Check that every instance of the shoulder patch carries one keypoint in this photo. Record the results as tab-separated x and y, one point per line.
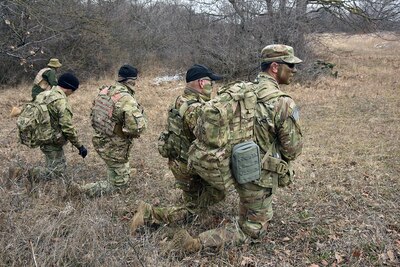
296	114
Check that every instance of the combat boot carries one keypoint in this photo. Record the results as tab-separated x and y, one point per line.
143	212
15	112
184	242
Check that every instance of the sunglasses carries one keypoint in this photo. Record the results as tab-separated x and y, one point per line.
290	65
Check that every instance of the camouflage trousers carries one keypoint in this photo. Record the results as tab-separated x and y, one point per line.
255	211
255	208
115	152
118	175
55	163
197	193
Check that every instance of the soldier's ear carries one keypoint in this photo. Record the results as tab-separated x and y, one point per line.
201	83
274	67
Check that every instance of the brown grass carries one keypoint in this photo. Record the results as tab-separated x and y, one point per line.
343	209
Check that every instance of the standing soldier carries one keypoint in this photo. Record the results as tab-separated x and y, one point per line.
116	118
278	135
46	78
174	145
61	123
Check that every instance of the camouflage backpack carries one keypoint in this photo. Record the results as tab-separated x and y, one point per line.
224	121
102	111
34	126
224	148
173	143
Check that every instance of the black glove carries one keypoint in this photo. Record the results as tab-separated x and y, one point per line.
82	151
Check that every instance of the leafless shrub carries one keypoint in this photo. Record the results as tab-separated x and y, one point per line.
94	37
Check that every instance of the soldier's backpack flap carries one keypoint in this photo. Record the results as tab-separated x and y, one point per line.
212	126
246	162
34	126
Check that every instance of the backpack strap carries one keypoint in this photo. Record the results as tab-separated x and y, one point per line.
185	106
269	162
266	95
274	164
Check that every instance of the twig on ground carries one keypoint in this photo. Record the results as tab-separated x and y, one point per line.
33	253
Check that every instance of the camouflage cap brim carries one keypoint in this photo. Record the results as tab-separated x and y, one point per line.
292	59
287	59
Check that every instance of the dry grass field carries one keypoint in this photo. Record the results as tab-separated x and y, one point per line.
343	209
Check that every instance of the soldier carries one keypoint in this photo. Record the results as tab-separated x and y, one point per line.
182	118
46	78
278	135
117	119
61	122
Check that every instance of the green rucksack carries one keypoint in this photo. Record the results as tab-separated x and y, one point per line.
173	143
224	150
34	125
224	122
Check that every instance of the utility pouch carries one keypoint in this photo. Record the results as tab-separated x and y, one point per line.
246	162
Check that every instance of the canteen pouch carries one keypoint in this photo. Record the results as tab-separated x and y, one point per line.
246	162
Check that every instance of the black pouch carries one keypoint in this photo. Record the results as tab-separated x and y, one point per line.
246	162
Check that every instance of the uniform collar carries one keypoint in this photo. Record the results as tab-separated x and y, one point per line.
126	88
61	91
192	92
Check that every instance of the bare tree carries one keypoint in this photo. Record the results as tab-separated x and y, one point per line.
92	37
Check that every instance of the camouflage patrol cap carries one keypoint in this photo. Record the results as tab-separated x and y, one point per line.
279	52
54	63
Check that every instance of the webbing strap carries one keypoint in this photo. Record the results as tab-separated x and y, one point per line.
275	165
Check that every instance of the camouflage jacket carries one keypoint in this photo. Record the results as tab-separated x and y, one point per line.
192	113
60	115
276	122
128	114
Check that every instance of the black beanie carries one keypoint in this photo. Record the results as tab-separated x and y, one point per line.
68	81
127	72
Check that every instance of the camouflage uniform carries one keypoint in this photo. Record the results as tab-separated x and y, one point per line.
276	119
197	193
278	135
61	122
115	149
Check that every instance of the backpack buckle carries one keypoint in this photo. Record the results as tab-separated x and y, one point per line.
282	168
